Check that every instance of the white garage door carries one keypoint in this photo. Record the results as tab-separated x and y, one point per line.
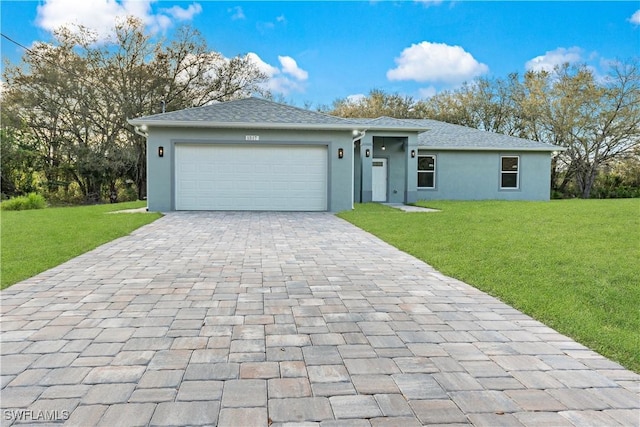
251	177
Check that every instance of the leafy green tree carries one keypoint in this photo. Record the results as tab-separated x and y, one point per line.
597	119
19	164
74	97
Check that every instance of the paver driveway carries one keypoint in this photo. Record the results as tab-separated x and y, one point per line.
270	318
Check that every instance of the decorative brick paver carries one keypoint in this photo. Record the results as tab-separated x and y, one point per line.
280	388
186	413
374	384
355	407
300	409
200	390
431	412
131	414
271	319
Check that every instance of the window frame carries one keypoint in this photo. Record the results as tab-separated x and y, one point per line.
510	172
418	171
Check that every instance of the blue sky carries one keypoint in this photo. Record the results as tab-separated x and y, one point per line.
315	52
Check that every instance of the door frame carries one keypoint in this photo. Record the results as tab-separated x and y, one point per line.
386	178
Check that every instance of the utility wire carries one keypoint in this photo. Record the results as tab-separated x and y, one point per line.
16	43
32	52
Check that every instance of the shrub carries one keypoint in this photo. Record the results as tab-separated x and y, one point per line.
614	186
21	203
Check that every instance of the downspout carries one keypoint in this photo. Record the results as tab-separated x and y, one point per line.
357	136
141	130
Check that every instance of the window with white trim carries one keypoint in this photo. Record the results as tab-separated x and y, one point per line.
509	172
426	171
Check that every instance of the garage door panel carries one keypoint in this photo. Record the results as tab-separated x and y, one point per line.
225	177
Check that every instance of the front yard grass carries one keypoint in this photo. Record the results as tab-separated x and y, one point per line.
33	241
572	264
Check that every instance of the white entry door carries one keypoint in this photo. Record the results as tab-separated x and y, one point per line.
379	180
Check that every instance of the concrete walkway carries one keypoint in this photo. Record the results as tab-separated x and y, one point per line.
257	319
409	208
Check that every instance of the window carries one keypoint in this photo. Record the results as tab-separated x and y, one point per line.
509	172
426	171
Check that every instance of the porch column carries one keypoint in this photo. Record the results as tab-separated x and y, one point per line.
411	184
366	143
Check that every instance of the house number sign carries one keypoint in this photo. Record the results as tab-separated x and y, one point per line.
252	138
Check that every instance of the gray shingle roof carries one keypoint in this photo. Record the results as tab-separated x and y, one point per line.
261	113
447	136
246	112
392	123
257	113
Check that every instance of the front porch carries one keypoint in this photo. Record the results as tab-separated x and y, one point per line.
385	168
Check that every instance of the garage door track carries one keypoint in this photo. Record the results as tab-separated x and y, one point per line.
259	319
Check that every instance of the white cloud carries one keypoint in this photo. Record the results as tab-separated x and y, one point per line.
290	66
237	11
268	26
436	62
427	92
184	14
267	69
553	58
285	79
635	18
356	98
101	15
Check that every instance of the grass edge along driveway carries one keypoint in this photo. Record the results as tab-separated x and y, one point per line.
36	240
571	264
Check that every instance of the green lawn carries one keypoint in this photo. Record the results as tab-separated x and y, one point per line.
572	264
35	240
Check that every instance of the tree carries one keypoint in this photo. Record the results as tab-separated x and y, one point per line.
32	108
596	119
486	104
18	164
376	104
74	96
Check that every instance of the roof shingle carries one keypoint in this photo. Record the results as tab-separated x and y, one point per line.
448	136
245	111
261	113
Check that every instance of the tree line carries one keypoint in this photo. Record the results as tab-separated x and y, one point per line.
595	118
65	107
64	132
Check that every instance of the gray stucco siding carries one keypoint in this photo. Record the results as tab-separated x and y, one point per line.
161	170
475	175
261	155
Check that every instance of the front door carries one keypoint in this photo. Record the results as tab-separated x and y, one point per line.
379	180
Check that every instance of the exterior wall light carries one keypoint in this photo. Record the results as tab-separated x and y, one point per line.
161	151
413	154
340	153
367	152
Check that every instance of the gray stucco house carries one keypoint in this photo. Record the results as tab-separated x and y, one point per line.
254	154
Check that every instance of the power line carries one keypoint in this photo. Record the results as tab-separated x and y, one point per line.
71	72
32	52
16	43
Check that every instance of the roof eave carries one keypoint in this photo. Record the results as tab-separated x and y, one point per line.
243	125
528	149
269	125
394	129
